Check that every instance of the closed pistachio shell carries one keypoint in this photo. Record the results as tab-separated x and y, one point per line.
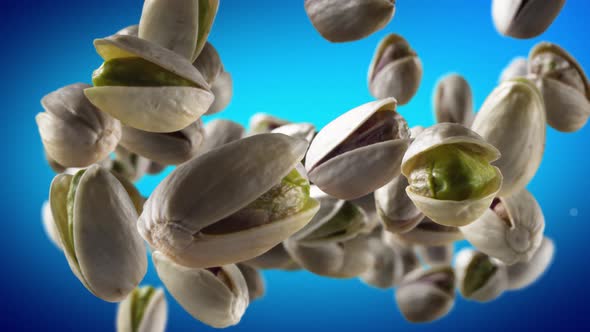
512	119
472	201
479	277
144	310
359	151
223	90
395	209
254	281
429	233
264	123
524	274
518	67
219	132
209	64
49	225
131	30
367	204
436	255
190	217
453	101
524	19
426	295
216	296
74	132
95	219
387	268
395	71
304	131
511	230
349	20
276	258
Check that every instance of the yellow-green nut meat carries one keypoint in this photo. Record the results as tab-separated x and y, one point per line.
479	277
144	310
524	19
453	101
191	218
349	20
512	118
216	296
563	84
395	209
254	281
360	151
146	86
524	274
74	132
96	222
451	179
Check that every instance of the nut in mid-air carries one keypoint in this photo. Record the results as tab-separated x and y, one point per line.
453	101
524	274
144	310
524	19
395	209
480	277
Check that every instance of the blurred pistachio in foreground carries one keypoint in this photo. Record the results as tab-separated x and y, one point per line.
144	310
261	123
219	132
524	274
74	132
191	218
479	277
349	20
428	233
395	209
426	295
518	67
359	151
254	281
49	225
524	19
395	71
216	296
387	266
276	258
95	220
436	255
453	101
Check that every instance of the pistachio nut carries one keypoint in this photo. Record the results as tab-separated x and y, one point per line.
524	19
144	310
129	165
426	295
217	296
219	132
510	230
563	84
436	255
264	123
524	274
146	86
49	225
480	277
223	90
395	209
387	266
132	30
74	132
450	176
155	168
429	233
360	151
254	281
191	218
367	204
518	67
276	258
453	101
349	20
395	71
54	165
95	220
512	119
209	64
304	131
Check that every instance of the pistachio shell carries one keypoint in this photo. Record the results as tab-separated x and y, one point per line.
395	209
518	67
453	101
436	255
524	19
219	132
153	318
254	281
304	131
223	91
512	235
217	297
488	281
387	267
524	274
264	123
276	258
209	64
129	165
207	12
567	109
429	233
131	30
49	225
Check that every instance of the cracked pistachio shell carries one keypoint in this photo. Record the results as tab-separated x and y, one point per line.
254	281
512	118
451	212
518	67
165	148
129	165
524	274
453	101
349	20
95	219
74	132
524	19
191	218
159	108
429	233
209	63
426	295
219	132
395	71
436	255
480	277
261	123
387	266
276	258
306	131
144	310
131	30
49	225
395	209
511	230
563	84
360	151
217	296
223	90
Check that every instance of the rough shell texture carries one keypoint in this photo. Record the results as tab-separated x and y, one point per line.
524	274
429	233
387	268
524	18
155	314
395	209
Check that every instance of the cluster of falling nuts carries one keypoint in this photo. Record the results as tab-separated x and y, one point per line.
365	197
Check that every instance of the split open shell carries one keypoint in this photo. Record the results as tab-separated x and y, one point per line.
479	277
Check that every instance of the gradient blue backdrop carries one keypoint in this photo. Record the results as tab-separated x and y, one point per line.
281	65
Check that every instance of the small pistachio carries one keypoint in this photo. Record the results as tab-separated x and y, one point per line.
395	209
479	277
144	310
254	281
518	67
49	225
524	274
209	63
219	132
524	19
436	255
453	101
261	123
387	266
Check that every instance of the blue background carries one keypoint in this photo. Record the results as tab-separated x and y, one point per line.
281	65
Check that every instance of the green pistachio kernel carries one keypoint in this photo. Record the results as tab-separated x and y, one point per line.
139	301
478	272
452	172
135	72
70	207
348	220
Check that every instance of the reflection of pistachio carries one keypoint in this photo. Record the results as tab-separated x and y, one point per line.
523	274
395	209
480	277
429	233
144	310
254	281
436	255
524	18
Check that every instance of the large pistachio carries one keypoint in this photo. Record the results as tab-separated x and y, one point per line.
395	71
146	86
223	90
349	20
512	119
480	277
144	310
426	295
73	131
254	281
276	258
209	63
436	255
359	151
304	131
429	233
563	84
453	101
191	218
524	274
395	209
219	132
524	19
387	266
49	225
511	230
450	176
264	123
518	67
217	296
95	219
